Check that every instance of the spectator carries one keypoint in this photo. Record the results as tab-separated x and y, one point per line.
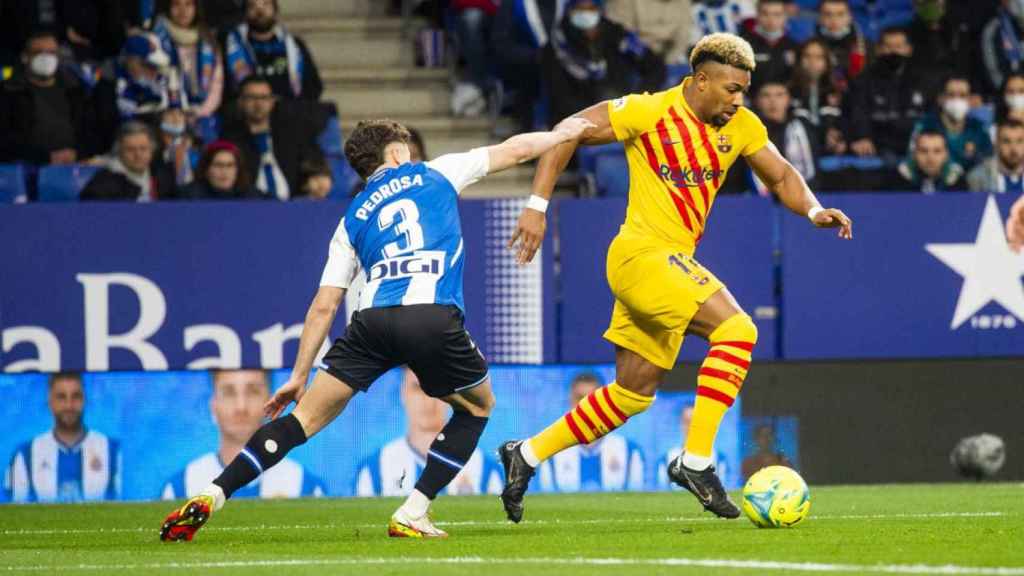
87	30
930	168
262	46
1011	104
591	58
666	26
317	180
966	138
222	175
184	37
774	51
177	146
886	101
43	113
1004	172
275	136
473	24
844	39
520	33
1015	226
941	44
129	176
815	95
767	453
1002	48
143	87
710	16
795	137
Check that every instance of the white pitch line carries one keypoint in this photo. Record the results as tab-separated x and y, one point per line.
593	521
757	565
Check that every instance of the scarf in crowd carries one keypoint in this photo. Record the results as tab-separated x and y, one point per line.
144	181
241	58
171	36
581	59
136	96
180	154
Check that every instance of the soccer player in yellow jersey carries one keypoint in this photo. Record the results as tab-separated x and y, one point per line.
679	143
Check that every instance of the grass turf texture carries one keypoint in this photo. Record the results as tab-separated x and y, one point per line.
873	529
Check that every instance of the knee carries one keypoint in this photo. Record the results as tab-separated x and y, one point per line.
481	406
739	328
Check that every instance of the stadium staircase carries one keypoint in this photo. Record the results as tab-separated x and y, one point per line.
368	70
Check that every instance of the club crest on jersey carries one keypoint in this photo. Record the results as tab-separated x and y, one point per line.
724	144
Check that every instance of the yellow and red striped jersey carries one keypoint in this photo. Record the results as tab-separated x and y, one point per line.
676	162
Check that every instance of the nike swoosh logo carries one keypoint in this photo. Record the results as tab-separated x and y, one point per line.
705	497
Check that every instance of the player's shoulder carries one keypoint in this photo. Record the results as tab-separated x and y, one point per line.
641	102
745	117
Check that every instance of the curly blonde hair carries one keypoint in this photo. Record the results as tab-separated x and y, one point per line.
724	48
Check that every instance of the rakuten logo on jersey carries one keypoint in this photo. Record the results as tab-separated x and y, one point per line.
429	262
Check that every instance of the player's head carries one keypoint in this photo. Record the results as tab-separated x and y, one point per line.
256	99
582	385
423	414
771	18
67	400
930	152
722	64
834	18
1010	144
237	401
261	15
377	142
773	101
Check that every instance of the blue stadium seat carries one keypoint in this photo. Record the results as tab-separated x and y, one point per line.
13	184
836	163
64	183
330	139
612	176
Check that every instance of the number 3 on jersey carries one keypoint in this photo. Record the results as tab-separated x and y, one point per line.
404	215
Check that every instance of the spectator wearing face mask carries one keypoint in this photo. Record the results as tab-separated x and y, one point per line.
263	47
844	39
591	58
1010	104
774	50
178	152
43	114
886	101
929	168
966	138
1004	172
1002	43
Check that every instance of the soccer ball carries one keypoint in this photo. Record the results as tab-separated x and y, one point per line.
979	456
775	497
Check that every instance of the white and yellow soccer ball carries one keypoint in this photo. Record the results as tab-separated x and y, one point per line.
776	497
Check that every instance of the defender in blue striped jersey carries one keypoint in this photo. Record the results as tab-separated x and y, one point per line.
402	233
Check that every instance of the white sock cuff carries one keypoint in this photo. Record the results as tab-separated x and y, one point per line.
694	462
218	496
527	451
417	504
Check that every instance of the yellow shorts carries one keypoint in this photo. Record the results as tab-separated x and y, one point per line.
658	288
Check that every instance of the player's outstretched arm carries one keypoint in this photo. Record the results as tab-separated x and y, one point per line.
525	147
319	319
1015	226
782	179
532	223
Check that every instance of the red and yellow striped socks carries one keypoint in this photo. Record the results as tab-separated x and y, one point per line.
604	410
719	381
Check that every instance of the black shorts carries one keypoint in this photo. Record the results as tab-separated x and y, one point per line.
430	338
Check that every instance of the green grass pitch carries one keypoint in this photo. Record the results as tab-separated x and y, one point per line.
897	529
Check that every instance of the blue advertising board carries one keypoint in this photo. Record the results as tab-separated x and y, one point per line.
738	248
201	285
925	276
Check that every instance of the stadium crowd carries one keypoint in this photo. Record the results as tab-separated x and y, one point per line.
191	99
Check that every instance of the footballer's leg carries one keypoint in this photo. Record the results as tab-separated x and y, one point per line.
448	454
732	336
323	402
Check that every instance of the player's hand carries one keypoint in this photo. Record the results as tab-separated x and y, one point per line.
292	391
832	218
1015	226
573	127
529	234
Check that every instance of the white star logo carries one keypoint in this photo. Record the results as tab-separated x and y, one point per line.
990	269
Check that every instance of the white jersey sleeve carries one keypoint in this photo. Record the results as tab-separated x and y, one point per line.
342	262
463	169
